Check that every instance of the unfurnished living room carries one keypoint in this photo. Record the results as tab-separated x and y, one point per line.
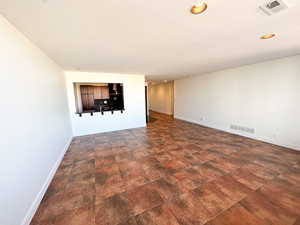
183	112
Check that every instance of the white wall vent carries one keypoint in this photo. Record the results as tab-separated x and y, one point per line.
273	7
241	128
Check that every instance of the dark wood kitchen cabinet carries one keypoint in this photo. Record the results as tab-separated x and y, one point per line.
105	92
90	93
87	97
97	92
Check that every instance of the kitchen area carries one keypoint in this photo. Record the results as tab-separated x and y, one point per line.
105	102
98	97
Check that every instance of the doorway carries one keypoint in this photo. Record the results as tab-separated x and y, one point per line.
161	97
146	104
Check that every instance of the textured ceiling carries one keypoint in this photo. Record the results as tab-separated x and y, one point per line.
161	39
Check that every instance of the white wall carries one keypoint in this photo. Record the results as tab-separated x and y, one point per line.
161	97
134	102
263	96
35	126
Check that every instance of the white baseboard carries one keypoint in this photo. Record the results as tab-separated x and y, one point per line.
34	206
259	138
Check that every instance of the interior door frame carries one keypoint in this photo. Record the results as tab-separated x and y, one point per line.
146	104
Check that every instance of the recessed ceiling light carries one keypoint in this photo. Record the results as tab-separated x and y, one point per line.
199	8
165	81
267	36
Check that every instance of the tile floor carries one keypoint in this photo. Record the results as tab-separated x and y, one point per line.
173	173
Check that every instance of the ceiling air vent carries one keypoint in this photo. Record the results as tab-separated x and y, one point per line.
273	7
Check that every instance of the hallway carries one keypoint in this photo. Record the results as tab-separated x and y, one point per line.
173	173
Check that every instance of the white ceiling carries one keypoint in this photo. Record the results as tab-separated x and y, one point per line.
159	38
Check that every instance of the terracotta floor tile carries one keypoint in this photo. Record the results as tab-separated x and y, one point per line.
153	174
292	178
175	165
44	222
283	196
188	210
208	172
141	154
227	150
134	179
160	215
104	161
193	147
83	166
212	198
143	198
205	156
296	165
124	156
244	217
130	221
166	190
103	152
173	173
182	174
224	165
84	182
133	174
50	208
112	211
192	159
80	216
107	186
64	170
58	184
259	205
261	171
109	169
297	222
73	199
232	188
248	179
187	185
164	157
